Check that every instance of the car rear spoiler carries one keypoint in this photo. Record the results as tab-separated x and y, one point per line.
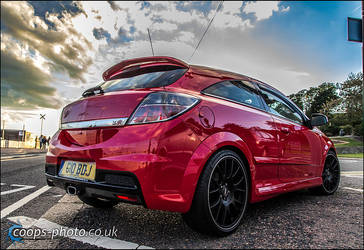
142	62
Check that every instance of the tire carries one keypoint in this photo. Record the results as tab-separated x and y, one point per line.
97	202
221	195
330	176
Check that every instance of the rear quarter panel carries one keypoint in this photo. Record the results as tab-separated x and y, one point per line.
248	129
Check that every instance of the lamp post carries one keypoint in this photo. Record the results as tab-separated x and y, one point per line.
3	135
42	118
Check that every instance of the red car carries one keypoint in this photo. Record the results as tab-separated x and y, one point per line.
190	139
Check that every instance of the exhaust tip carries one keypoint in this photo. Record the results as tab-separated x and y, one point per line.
71	190
50	183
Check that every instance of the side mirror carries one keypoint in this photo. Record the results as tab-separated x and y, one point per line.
318	120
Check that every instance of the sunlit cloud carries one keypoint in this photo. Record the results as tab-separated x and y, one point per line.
51	52
261	9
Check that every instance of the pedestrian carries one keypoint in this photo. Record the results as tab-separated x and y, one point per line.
341	132
36	141
49	138
44	142
40	141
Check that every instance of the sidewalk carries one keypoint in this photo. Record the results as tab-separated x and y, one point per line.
21	151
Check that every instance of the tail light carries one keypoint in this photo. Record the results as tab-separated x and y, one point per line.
162	106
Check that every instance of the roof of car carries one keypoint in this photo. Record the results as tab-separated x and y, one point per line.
223	74
218	73
142	62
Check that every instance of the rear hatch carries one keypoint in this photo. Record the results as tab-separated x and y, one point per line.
95	118
111	105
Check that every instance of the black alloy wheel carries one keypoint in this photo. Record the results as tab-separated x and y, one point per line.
227	192
221	195
330	175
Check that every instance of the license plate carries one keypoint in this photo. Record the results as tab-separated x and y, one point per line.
78	170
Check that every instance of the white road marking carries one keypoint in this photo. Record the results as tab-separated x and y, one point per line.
24	221
144	247
353	174
22	158
21	188
354	189
347	160
99	241
6	211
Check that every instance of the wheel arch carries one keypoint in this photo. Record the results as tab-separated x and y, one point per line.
328	146
332	149
241	155
209	147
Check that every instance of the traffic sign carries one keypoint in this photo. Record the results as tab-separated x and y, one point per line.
355	28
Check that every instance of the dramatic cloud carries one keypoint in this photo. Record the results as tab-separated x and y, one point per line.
52	51
65	44
31	51
24	78
64	47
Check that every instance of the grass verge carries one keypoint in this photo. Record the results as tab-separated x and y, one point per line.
351	142
358	155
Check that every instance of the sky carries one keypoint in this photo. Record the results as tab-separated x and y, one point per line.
52	51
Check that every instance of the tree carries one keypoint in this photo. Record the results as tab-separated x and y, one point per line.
352	97
321	99
324	98
341	102
298	99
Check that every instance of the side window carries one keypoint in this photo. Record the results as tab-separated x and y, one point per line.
239	91
279	107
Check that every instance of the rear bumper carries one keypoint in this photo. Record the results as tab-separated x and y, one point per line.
130	188
159	156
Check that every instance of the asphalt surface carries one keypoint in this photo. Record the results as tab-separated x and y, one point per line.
293	220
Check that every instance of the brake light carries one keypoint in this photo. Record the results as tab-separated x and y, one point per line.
162	106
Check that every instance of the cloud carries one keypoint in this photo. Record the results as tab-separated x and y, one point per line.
52	52
261	9
113	5
284	9
204	7
17	117
75	43
32	50
23	83
100	33
23	25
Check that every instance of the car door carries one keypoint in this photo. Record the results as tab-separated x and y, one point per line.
299	153
246	116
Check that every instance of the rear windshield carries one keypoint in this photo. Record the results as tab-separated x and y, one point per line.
147	80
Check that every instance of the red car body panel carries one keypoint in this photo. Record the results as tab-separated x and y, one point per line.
109	105
168	157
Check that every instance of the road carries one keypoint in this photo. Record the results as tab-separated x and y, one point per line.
294	220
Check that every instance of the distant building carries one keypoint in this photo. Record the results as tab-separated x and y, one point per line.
16	135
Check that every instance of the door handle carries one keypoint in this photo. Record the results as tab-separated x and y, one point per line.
285	130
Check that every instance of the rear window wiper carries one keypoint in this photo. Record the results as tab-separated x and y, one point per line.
92	91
